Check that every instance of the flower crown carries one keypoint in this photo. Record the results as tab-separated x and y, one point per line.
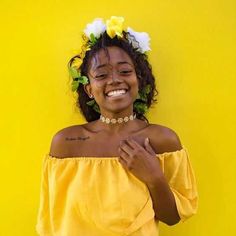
91	34
93	31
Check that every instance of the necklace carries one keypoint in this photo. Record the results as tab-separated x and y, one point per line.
118	120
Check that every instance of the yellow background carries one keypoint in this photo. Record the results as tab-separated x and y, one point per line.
193	58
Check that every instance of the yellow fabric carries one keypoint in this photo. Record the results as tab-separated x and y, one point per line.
96	196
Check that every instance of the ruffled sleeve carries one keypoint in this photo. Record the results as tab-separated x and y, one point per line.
181	179
43	217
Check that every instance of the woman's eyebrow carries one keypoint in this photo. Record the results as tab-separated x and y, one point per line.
99	66
123	62
119	63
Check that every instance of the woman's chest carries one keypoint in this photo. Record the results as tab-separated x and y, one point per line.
101	144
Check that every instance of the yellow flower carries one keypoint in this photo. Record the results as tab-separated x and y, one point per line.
85	45
115	26
85	39
77	62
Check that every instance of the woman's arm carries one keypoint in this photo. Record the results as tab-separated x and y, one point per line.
163	201
142	162
162	197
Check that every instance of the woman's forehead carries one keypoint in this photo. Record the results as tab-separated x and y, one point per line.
113	56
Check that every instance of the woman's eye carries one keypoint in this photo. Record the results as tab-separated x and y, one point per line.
126	71
101	76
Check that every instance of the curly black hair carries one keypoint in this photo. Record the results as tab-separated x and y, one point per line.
142	67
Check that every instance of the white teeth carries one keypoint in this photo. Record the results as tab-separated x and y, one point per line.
116	93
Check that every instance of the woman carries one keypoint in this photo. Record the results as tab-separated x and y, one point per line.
117	174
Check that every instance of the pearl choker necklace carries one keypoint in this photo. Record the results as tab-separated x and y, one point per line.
119	120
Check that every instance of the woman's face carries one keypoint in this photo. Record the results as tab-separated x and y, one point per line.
113	80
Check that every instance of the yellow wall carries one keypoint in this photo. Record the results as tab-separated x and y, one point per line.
193	51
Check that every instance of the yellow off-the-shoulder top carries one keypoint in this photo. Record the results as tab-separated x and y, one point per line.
96	196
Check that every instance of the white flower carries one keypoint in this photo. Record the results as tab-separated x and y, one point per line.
142	38
97	27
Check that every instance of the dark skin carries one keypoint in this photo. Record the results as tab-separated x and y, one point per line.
129	142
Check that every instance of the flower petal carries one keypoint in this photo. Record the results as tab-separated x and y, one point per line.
115	26
97	27
141	37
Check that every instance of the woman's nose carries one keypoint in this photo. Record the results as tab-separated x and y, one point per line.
114	77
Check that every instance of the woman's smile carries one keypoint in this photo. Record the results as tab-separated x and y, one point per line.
113	80
118	93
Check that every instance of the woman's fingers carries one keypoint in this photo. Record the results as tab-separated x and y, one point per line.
126	147
125	160
148	147
123	157
133	144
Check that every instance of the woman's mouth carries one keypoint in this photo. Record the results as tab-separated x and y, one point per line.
116	93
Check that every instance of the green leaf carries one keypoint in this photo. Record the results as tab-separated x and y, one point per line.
96	108
83	79
74	73
142	96
92	39
76	81
94	105
147	89
75	85
90	103
140	107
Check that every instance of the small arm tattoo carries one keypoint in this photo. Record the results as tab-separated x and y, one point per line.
76	138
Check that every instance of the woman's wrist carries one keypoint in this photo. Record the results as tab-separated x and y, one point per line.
157	180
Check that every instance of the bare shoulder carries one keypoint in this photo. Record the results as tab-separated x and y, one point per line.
164	139
59	146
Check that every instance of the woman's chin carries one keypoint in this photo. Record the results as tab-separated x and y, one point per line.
116	108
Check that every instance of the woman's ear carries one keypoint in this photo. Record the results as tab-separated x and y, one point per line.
88	90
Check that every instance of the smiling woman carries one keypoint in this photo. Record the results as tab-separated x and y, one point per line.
98	64
113	81
143	176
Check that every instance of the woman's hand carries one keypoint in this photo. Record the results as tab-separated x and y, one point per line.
141	162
